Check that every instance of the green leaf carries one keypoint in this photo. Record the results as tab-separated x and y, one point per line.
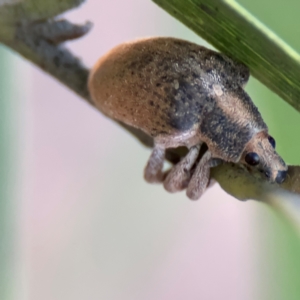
234	31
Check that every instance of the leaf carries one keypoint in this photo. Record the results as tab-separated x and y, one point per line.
234	31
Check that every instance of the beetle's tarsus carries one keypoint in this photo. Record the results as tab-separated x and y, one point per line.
153	172
200	178
179	176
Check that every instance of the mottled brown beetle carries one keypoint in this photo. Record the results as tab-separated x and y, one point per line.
183	94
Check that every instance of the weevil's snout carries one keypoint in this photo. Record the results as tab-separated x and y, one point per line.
260	154
275	166
277	175
281	175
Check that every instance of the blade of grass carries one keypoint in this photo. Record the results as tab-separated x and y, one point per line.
234	31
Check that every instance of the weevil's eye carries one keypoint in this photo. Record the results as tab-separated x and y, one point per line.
272	141
252	159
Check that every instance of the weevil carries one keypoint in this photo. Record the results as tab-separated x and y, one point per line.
183	94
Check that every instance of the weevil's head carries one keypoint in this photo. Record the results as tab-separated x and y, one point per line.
260	153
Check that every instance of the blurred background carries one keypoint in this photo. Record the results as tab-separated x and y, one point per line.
77	220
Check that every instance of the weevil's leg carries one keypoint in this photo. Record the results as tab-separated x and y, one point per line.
214	162
179	175
153	172
200	178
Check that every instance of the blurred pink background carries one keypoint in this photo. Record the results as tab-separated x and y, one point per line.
91	228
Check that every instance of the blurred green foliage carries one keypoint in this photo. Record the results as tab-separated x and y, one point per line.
279	259
283	18
7	180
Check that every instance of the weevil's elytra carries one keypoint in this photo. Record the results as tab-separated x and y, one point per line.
183	94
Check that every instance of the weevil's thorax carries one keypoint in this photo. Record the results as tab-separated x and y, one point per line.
231	124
